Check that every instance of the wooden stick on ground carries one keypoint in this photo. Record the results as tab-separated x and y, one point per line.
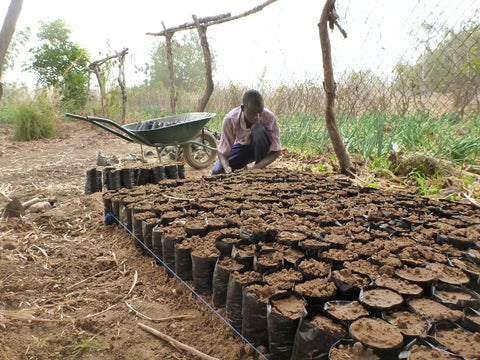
158	319
176	344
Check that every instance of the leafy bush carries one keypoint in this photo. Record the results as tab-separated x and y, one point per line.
31	124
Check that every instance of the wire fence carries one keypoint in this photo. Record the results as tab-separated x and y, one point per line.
402	57
408	78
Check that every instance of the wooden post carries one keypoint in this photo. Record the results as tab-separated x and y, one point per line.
95	67
123	87
201	25
329	14
207	58
171	73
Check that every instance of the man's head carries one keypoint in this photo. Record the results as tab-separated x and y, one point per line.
252	106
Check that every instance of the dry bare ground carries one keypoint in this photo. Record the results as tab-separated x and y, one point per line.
68	283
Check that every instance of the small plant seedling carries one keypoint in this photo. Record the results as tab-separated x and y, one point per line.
86	344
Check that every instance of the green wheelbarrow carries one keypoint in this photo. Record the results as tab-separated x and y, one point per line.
185	133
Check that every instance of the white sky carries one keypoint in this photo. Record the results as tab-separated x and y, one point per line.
282	39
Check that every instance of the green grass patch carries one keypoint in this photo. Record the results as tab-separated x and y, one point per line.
31	123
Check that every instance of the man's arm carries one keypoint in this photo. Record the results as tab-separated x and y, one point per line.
225	163
271	157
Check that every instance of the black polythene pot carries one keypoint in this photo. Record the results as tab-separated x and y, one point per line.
311	342
281	331
202	273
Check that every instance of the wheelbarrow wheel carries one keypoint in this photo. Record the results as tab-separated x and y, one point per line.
199	157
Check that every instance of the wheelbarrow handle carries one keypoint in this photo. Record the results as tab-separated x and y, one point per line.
99	122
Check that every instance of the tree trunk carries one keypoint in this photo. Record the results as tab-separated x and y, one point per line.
171	73
123	87
207	58
7	31
346	165
103	95
95	67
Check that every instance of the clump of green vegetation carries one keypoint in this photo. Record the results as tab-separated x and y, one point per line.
31	123
86	345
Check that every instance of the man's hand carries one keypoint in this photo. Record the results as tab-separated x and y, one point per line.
225	164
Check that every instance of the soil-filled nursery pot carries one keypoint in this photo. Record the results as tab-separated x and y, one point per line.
457	340
171	171
158	174
114	179
127	177
233	305
315	336
311	268
377	299
183	256
106	177
384	338
125	215
433	309
351	349
410	324
137	230
344	311
116	199
225	245
171	235
317	291
181	171
349	283
419	349
93	181
147	227
143	176
267	260
456	297
107	202
196	226
157	233
244	254
283	279
254	312
221	275
204	259
471	320
283	315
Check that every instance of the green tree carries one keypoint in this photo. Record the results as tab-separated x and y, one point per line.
452	67
188	64
20	38
61	63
